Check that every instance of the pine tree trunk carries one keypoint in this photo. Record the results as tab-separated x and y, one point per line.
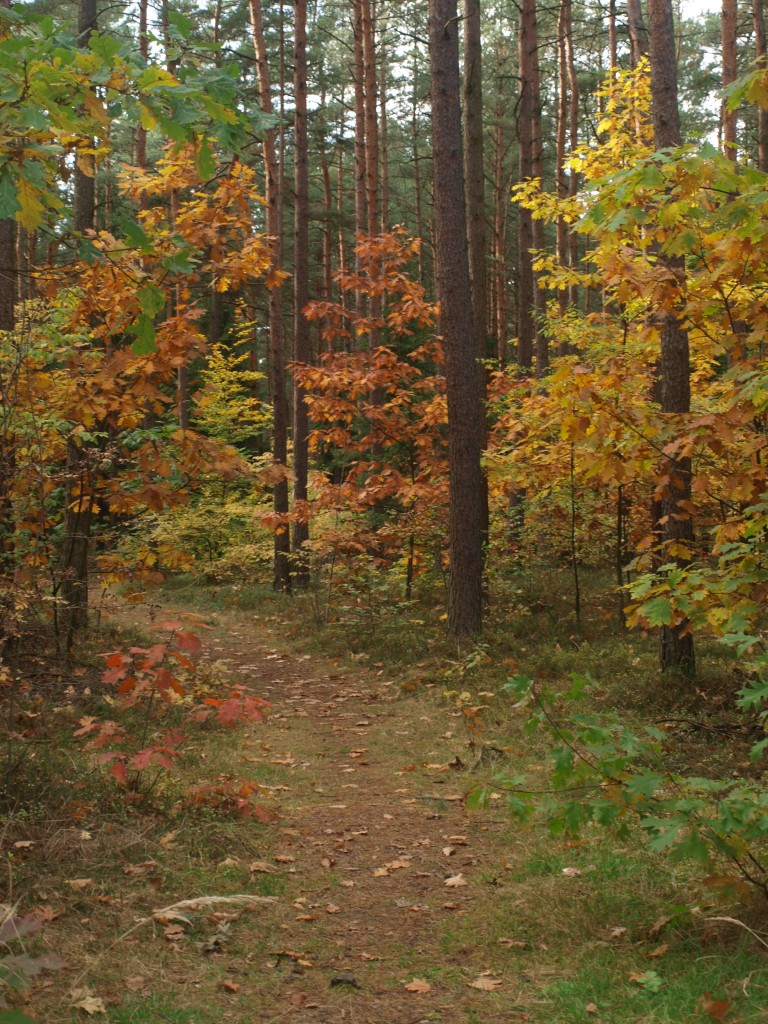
474	172
84	207
361	194
729	72
675	524
301	330
638	33
527	142
761	53
281	576
7	274
455	295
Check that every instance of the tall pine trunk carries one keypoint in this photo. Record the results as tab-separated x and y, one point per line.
761	53
301	335
729	71
675	526
529	143
455	295
281	575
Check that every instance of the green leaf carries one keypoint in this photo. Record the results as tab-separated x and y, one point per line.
183	25
9	203
206	161
644	784
658	611
151	299
181	262
135	235
144	330
106	47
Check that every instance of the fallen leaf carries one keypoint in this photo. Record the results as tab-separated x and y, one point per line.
419	986
305	917
228	985
571	872
140	869
715	1009
79	883
658	927
331	908
660	950
84	999
285	858
455	881
591	1008
24	844
513	943
135	984
167	840
617	933
485	984
448	851
260	867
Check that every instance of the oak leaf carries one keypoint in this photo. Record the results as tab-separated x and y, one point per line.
485	984
419	986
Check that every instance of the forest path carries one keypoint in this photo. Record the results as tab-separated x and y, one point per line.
382	879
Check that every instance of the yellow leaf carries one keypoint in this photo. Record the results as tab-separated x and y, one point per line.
31	214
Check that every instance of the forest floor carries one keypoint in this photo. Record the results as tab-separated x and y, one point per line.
386	900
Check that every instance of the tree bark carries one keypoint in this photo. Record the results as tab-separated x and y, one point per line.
7	274
474	173
761	51
638	33
675	524
281	576
528	141
84	208
301	329
729	73
454	293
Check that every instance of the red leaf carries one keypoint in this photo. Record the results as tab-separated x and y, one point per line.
188	641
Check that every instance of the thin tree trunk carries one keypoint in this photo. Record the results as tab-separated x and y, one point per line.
415	134
361	195
141	133
474	170
638	33
384	135
561	181
301	328
573	141
613	47
675	524
474	173
84	207
282	578
526	126
729	73
371	144
500	222
761	50
454	292
7	274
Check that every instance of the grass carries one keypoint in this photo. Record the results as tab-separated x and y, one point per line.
154	1011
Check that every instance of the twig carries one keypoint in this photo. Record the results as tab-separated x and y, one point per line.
732	920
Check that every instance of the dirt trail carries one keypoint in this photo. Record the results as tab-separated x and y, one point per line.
387	862
381	878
